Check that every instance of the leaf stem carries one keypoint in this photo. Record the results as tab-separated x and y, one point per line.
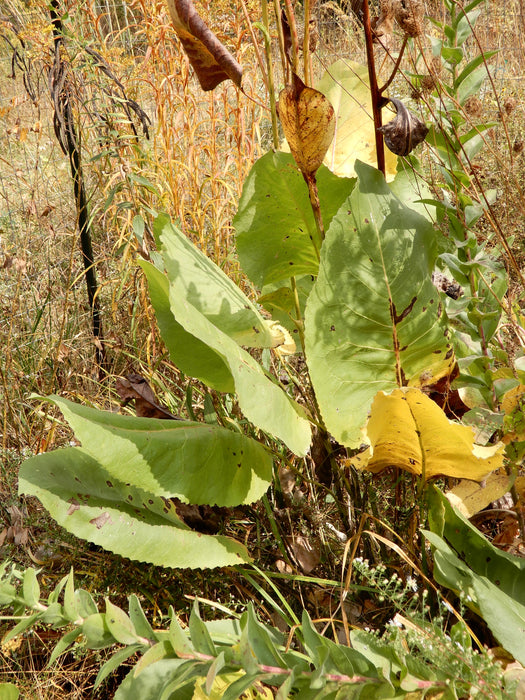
313	193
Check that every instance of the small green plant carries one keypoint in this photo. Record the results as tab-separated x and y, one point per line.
240	654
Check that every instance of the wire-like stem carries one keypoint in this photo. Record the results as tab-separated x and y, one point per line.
270	83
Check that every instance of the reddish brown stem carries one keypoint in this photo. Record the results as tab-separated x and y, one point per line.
374	88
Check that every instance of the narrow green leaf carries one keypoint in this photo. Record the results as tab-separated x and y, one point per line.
63	645
54	615
70	602
471	84
139	619
22	626
150	682
120	625
260	641
158	652
97	632
178	638
238	687
214	670
195	278
114	662
31	588
85	604
200	637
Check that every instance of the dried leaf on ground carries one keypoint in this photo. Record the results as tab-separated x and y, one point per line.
305	552
469	497
15	532
135	388
211	61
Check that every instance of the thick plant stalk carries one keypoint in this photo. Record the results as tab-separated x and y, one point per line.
69	140
374	88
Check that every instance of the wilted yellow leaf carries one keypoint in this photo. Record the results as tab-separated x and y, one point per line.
408	430
513	405
222	683
308	124
346	85
469	497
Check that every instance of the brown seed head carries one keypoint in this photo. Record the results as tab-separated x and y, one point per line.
409	15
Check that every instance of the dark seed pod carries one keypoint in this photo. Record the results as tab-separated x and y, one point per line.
404	132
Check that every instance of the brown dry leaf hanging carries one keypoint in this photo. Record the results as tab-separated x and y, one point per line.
405	131
308	123
211	61
408	430
136	388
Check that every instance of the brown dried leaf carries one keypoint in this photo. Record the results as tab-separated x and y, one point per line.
404	132
136	388
211	61
287	480
305	553
308	123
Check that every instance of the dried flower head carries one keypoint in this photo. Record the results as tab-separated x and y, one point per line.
473	106
409	15
510	105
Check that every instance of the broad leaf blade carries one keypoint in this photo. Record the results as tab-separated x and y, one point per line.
262	401
196	462
193	276
373	319
408	430
85	500
191	355
274	223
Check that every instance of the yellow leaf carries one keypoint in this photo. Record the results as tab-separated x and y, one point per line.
470	497
408	430
222	683
513	405
346	85
308	124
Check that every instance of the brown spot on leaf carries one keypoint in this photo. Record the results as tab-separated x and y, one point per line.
101	520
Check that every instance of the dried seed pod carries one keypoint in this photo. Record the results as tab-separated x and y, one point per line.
405	131
409	15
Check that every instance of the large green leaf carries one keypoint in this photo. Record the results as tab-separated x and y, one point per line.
345	84
275	222
92	504
196	462
373	319
492	580
261	399
194	277
188	353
